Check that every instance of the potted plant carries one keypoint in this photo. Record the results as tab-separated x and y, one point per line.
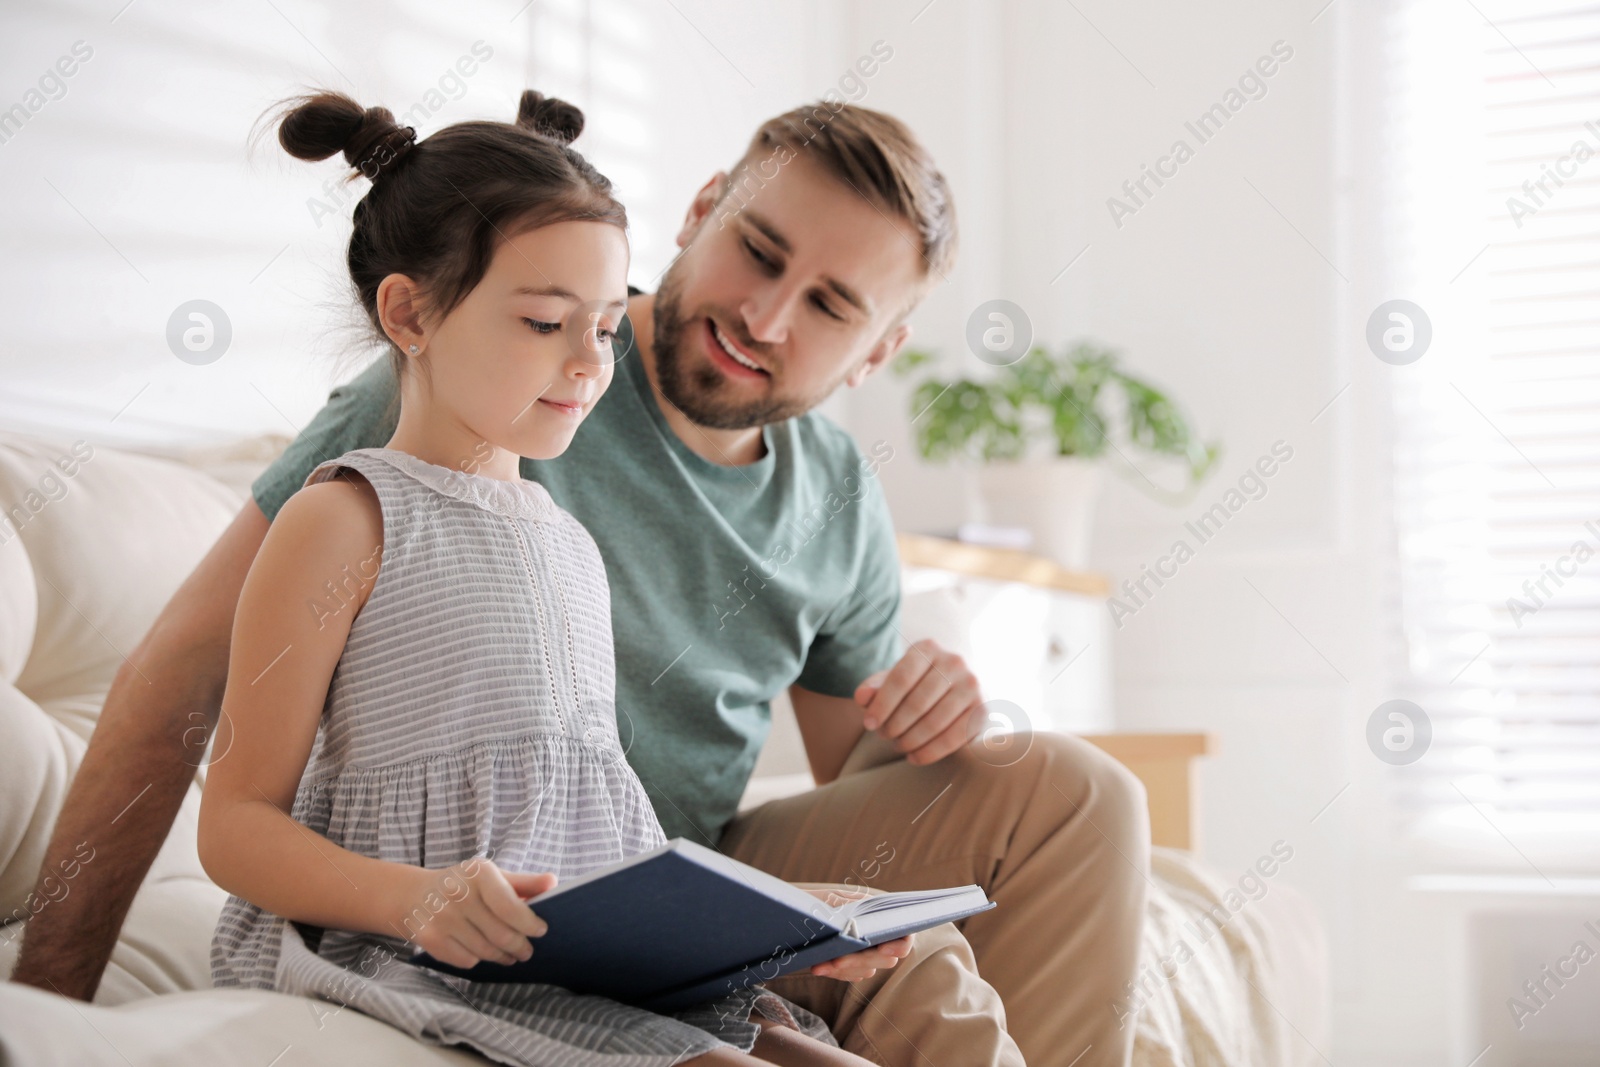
1040	426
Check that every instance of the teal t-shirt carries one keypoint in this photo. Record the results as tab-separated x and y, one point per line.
728	584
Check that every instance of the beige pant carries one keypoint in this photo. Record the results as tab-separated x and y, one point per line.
1055	831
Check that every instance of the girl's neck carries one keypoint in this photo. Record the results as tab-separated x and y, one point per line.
437	437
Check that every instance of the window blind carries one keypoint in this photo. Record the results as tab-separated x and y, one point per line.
1497	426
129	188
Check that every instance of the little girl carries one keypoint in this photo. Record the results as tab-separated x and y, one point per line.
419	701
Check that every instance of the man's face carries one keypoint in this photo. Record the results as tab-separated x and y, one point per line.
782	293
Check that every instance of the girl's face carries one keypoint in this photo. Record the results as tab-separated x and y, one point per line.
523	359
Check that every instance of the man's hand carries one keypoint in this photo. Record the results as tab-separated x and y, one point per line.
867	962
928	705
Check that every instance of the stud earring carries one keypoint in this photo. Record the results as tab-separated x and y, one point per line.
414	350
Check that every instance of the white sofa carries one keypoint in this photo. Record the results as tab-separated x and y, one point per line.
103	539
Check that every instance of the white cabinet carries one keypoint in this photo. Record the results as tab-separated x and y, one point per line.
1042	655
1037	636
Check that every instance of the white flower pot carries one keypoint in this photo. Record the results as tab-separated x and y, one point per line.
1052	497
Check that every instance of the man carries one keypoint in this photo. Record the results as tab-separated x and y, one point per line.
749	551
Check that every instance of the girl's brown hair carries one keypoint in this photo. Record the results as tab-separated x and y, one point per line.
439	207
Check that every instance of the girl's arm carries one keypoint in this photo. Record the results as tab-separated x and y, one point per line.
288	634
313	574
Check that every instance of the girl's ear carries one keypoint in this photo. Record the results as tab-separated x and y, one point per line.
700	208
400	312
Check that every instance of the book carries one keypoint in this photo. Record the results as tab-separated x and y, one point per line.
682	924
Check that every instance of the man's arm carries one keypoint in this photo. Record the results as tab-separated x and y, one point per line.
830	727
925	707
141	759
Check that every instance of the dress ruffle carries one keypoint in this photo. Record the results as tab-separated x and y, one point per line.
515	801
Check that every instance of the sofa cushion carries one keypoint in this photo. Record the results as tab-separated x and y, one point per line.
40	1029
38	757
19	604
110	536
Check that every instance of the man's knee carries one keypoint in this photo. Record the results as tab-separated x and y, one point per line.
944	941
943	993
1092	784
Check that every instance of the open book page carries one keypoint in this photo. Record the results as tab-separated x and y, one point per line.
833	909
870	916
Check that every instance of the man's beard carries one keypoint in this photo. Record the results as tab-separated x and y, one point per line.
701	392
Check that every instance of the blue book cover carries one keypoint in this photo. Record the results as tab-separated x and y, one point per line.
683	924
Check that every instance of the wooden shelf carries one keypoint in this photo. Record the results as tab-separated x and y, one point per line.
1137	747
998	564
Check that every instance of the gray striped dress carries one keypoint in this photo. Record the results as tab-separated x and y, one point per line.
471	715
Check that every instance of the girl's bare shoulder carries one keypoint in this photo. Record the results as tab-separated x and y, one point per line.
346	504
323	527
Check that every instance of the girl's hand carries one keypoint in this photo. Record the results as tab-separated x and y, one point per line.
468	913
867	962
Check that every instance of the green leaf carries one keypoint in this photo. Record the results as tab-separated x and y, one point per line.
910	360
990	420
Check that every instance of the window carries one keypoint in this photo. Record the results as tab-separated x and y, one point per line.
1496	236
129	190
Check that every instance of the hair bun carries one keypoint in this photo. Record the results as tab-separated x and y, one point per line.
378	142
321	124
550	117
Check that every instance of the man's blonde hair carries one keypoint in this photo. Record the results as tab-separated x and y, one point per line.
873	153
